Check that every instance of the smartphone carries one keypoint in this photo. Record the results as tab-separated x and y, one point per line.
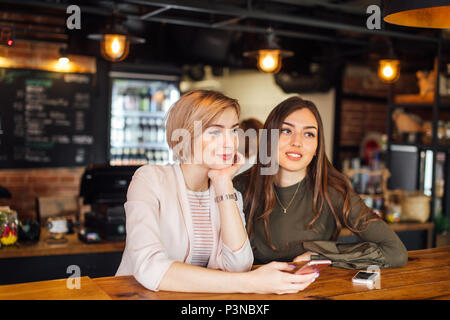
365	277
314	266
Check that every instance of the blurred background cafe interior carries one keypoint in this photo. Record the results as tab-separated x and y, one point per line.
84	90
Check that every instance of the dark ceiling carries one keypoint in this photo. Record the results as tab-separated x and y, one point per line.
218	32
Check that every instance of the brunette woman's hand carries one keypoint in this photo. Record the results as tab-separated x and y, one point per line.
274	277
305	256
226	174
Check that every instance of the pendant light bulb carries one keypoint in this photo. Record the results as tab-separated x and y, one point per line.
269	61
115	47
389	70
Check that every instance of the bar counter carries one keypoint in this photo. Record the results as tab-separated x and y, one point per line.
72	246
425	276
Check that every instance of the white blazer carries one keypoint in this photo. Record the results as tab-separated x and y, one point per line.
159	227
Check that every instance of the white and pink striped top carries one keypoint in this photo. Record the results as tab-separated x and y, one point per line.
201	220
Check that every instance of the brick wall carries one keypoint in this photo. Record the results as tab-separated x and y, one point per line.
25	185
358	118
37	54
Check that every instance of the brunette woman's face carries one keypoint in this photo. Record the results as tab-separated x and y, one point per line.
219	141
298	141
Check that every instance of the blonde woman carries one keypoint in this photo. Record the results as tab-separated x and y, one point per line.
185	225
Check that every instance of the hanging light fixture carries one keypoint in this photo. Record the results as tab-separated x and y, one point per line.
418	13
115	41
389	64
269	58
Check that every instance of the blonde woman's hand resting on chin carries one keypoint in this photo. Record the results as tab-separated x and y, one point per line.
228	172
273	278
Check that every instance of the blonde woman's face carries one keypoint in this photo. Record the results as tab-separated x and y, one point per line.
219	141
298	140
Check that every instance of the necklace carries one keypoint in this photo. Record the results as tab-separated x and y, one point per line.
290	202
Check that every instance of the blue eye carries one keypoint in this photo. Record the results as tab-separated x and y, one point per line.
214	132
310	134
286	131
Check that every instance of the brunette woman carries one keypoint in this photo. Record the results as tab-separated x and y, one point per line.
307	199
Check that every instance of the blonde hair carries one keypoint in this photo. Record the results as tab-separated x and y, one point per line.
197	105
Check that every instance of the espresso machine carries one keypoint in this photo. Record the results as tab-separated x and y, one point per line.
105	189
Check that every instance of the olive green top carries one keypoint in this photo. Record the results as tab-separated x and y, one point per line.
288	230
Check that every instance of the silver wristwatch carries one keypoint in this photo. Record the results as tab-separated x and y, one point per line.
226	197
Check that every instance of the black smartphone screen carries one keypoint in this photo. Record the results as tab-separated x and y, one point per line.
364	275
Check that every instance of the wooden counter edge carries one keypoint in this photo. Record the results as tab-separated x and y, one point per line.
399	227
72	246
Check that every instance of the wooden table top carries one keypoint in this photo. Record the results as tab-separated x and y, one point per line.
425	276
54	290
72	246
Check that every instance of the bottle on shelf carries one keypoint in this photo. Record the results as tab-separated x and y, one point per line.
150	156
159	99
441	132
133	156
113	158
447	133
376	165
153	130
356	181
165	157
119	157
126	157
142	128
151	97
174	95
145	130
365	179
160	130
118	102
142	157
128	100
157	156
128	130
145	103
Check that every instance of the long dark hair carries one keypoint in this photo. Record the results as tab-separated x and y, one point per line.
320	175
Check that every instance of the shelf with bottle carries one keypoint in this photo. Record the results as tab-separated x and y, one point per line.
152	98
416	128
159	146
137	131
141	114
370	181
138	156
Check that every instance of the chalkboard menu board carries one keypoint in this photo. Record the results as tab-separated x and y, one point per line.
45	119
